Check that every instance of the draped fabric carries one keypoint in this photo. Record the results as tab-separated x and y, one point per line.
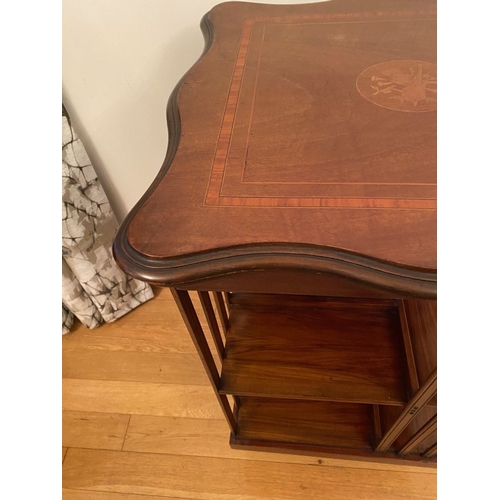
94	289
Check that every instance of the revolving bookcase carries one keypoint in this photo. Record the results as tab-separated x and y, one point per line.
298	201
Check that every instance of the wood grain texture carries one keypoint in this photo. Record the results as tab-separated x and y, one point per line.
320	178
165	368
194	401
64	450
287	281
389	415
340	350
413	381
376	425
255	164
422	323
424	433
221	310
209	438
213	325
104	431
216	479
68	494
178	436
411	411
307	422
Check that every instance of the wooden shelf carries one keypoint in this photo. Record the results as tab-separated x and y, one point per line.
310	423
299	347
320	375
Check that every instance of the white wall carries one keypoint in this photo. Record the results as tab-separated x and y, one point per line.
121	60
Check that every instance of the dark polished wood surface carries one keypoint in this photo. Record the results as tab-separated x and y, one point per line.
303	138
344	350
318	423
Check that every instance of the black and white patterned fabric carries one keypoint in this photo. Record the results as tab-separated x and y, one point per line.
94	289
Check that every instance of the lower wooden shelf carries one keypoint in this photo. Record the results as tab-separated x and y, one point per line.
284	421
313	428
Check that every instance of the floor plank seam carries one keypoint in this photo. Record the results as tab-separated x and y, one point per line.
133	381
105	412
156	415
162	384
126	432
153	415
145	495
339	467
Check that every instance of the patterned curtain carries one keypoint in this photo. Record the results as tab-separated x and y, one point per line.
94	289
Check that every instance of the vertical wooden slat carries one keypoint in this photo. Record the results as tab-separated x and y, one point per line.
212	322
422	434
426	392
410	358
221	309
193	325
377	426
226	298
431	452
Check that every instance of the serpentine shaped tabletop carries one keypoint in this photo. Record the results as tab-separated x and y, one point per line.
303	138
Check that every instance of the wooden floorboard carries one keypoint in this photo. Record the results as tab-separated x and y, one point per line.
131	432
194	401
217	479
168	368
155	326
210	438
99	495
94	430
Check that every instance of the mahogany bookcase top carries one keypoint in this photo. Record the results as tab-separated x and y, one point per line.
304	135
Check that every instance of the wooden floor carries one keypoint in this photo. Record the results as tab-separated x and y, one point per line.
140	422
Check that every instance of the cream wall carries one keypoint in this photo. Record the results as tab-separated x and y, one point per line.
121	60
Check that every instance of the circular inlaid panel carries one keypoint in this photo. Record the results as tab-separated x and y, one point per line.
409	86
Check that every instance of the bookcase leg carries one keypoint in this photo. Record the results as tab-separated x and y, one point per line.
423	396
195	329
